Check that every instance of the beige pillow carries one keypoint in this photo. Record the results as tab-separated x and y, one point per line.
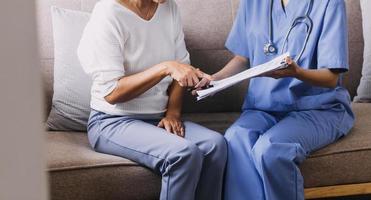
71	99
364	88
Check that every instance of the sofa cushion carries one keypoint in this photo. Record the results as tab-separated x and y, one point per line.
364	88
77	172
70	105
346	161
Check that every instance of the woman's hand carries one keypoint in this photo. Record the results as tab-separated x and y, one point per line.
292	70
317	77
205	81
186	75
172	125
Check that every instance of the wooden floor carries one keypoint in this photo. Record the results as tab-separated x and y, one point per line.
362	197
338	191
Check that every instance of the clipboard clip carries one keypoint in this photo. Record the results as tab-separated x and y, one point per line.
189	89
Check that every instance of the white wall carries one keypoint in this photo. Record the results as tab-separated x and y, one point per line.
22	174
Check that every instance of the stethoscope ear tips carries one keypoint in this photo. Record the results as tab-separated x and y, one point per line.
270	49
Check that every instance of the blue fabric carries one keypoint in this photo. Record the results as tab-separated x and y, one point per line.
286	119
326	48
191	167
265	149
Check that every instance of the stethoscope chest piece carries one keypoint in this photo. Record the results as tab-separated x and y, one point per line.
270	49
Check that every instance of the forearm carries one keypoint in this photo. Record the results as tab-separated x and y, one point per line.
320	77
234	66
175	92
129	87
317	77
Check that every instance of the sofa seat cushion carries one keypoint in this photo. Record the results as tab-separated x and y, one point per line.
77	172
346	161
216	121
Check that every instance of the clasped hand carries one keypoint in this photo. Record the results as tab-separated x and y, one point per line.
186	75
292	70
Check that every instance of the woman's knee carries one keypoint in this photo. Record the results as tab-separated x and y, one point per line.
211	142
183	157
218	148
263	151
230	134
236	135
187	153
270	153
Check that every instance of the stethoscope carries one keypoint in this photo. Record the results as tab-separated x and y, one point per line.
270	48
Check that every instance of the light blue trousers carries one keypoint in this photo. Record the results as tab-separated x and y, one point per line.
191	167
265	149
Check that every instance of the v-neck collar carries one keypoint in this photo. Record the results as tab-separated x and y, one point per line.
284	6
284	10
123	7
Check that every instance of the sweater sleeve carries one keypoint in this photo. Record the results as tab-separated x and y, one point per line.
101	51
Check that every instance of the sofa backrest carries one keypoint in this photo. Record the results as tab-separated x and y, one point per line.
356	45
206	26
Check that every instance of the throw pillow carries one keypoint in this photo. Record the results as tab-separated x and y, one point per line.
71	99
364	88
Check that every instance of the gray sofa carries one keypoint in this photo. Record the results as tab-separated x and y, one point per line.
77	172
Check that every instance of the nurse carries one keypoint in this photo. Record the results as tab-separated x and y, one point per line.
292	112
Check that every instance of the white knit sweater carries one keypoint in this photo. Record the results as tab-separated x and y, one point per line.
116	42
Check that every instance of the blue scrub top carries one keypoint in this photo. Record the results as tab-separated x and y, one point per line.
327	48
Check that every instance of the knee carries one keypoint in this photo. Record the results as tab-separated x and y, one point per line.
236	137
184	156
218	150
263	152
269	153
231	134
188	154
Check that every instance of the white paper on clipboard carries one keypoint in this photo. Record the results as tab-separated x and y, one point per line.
275	64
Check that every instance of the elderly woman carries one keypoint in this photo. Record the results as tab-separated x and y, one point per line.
134	51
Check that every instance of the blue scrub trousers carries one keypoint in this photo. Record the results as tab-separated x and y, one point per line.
191	167
265	149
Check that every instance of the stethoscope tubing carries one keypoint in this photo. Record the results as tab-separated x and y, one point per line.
302	19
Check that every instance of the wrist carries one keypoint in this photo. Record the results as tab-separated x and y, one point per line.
164	69
167	67
299	73
173	114
215	77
